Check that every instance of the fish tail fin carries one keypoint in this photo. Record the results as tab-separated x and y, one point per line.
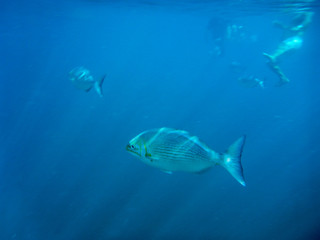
231	160
98	86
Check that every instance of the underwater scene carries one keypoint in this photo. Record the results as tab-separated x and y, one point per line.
160	119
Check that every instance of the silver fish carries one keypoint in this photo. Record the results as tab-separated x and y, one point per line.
175	150
251	82
82	79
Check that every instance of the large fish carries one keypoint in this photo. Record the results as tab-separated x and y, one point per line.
175	150
82	79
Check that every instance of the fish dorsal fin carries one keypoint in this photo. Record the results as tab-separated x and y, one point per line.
194	139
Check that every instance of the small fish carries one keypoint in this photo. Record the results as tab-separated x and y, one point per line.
175	150
82	79
251	82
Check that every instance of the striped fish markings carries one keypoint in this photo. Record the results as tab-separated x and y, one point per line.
176	150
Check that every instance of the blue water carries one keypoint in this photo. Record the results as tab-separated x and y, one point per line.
64	170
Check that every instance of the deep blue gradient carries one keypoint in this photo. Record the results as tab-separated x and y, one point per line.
64	170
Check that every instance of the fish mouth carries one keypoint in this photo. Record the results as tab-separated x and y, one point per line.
128	148
132	151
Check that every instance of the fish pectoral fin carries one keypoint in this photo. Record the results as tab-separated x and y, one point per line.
204	170
165	171
87	90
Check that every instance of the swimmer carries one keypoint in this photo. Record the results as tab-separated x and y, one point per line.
217	30
292	41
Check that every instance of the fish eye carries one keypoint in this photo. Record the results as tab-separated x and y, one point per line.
132	146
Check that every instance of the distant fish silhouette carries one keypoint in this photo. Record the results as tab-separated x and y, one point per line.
82	79
251	82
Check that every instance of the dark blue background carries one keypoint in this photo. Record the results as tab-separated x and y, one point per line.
64	171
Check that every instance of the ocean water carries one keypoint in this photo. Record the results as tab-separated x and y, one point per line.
64	170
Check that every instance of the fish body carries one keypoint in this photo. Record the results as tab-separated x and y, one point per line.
83	80
251	82
176	150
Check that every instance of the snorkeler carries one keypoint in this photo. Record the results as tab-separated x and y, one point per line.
292	41
217	29
220	30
